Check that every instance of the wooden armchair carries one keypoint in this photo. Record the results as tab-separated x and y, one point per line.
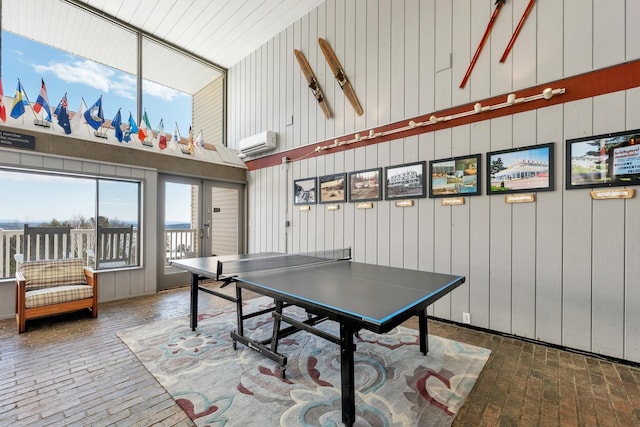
45	288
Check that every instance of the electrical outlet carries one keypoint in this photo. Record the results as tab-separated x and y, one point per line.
466	318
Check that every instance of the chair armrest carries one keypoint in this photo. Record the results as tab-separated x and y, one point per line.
21	281
91	276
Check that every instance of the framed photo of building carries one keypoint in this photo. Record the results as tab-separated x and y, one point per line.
608	160
456	176
304	191
333	188
364	185
405	181
520	170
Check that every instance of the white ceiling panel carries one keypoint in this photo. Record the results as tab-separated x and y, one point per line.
222	32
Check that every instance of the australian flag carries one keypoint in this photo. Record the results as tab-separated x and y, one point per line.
63	115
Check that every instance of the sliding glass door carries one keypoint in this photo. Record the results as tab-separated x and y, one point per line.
196	218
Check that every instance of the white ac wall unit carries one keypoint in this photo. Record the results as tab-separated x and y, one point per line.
258	143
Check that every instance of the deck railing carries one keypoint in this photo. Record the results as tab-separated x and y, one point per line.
179	243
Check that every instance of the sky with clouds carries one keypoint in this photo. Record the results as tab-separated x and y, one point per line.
80	78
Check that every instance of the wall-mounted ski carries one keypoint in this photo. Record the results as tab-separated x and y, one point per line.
517	31
496	12
313	82
340	75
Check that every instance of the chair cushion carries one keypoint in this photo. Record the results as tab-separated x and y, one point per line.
53	273
59	294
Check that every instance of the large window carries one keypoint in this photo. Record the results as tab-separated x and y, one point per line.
103	214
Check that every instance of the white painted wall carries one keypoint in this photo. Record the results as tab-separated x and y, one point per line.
563	269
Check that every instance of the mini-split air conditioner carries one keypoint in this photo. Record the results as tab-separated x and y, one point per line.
258	143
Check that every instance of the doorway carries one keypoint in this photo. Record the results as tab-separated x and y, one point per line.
196	218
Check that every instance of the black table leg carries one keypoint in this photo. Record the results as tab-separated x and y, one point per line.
277	320
347	375
194	301
239	314
424	333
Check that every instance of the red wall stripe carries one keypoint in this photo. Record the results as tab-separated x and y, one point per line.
607	80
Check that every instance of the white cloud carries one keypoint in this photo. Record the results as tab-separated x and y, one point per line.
105	79
163	92
124	86
82	72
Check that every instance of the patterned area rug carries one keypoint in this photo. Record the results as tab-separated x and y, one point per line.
219	386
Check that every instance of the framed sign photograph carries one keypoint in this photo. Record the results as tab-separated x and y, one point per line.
520	170
304	191
405	181
364	185
332	188
456	176
609	160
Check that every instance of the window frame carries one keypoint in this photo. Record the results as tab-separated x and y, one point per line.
97	179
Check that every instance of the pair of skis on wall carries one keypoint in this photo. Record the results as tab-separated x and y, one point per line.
338	73
494	16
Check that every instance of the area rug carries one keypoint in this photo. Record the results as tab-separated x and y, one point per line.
219	386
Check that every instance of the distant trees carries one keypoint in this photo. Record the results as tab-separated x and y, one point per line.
80	222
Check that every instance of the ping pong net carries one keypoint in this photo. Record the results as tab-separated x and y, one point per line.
229	268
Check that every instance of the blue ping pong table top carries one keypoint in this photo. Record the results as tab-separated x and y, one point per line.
367	293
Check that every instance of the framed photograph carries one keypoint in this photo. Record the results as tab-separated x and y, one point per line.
520	170
609	160
333	188
405	181
364	185
304	191
457	176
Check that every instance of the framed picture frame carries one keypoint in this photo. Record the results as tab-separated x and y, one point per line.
333	188
365	185
608	160
406	181
521	169
305	191
455	176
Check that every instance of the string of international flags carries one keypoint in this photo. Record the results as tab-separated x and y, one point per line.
94	117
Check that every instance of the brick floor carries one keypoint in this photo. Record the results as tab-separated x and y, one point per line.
74	370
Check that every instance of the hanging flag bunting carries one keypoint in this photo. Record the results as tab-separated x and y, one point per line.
94	115
19	101
117	126
42	103
3	110
199	139
143	129
78	116
162	137
63	116
133	128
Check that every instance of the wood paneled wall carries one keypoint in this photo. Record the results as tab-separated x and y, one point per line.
563	269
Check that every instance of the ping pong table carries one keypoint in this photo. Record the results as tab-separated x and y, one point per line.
329	286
